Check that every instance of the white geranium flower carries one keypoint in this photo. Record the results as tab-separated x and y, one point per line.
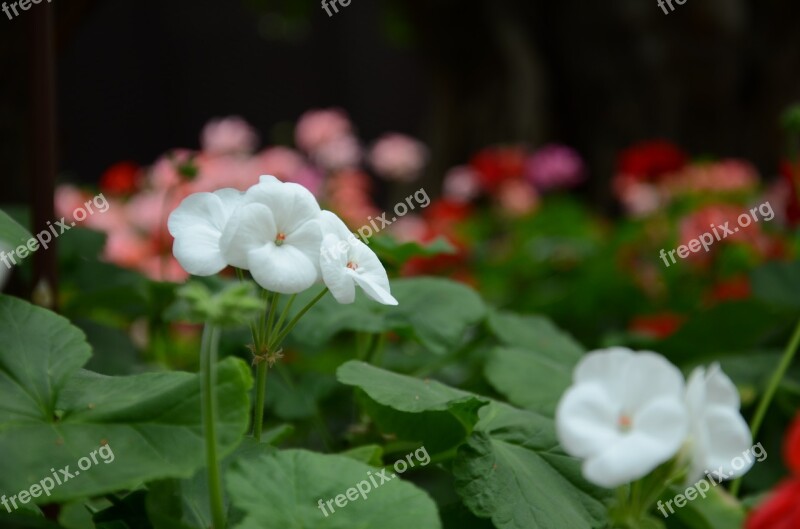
276	235
719	434
624	415
346	262
197	224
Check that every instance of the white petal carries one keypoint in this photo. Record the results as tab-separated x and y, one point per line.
250	228
720	389
333	225
333	262
292	205
728	439
307	238
587	420
283	269
374	290
197	224
631	378
371	275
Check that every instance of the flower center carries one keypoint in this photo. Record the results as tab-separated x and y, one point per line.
279	239
352	266
625	423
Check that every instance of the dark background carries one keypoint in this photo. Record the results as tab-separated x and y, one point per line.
136	78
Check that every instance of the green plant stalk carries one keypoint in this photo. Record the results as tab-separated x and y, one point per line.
261	398
283	334
208	367
769	394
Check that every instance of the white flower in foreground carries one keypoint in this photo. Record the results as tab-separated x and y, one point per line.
624	415
346	262
719	433
276	235
197	225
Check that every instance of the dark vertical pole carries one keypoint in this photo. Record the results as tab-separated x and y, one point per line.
42	150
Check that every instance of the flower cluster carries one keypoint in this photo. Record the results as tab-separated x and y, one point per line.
278	232
653	174
327	158
627	413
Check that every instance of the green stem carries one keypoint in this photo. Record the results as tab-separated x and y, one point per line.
285	313
261	397
296	319
769	394
208	366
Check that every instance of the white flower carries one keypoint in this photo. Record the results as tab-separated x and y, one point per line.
718	432
276	235
197	224
346	262
624	415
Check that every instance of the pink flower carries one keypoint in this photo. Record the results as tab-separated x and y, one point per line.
163	268
411	228
398	157
554	167
68	198
518	198
724	176
316	128
231	135
638	198
462	184
125	247
166	172
289	166
338	154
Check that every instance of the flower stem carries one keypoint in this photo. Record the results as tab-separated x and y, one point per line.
769	394
277	341
261	397
208	366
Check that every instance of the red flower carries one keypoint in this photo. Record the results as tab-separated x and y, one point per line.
651	160
657	325
791	173
781	510
496	165
731	289
122	178
791	447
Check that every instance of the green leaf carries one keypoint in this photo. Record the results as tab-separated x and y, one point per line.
512	471
718	510
284	491
372	455
151	423
183	504
436	312
12	234
778	284
536	370
424	411
535	333
390	249
529	379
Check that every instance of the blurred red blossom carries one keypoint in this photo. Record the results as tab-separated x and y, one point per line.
123	178
496	165
781	509
657	326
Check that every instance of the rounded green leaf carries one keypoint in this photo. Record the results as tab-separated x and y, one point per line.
285	490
